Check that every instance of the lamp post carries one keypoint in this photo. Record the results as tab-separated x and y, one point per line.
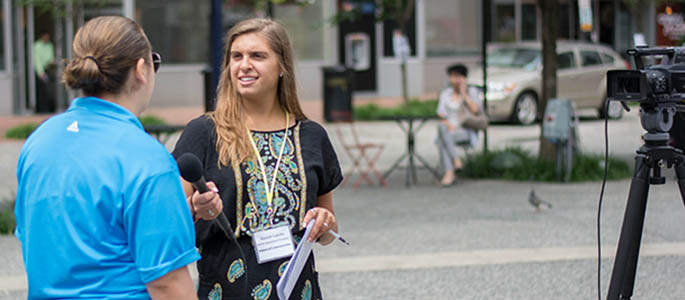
484	39
215	47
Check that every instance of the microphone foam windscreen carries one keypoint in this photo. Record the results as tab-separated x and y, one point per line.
190	167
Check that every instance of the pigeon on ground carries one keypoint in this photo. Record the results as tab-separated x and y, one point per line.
537	202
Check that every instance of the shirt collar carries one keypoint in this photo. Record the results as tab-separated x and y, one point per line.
104	107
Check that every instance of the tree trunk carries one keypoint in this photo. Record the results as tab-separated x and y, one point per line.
550	16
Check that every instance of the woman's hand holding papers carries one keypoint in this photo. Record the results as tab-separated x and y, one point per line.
324	221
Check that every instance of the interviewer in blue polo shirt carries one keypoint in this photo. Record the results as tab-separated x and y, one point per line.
100	209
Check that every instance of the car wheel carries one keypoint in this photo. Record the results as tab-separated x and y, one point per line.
613	111
526	109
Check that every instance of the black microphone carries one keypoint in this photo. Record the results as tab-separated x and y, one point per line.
191	170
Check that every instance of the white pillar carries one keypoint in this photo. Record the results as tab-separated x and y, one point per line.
20	71
30	70
7	28
129	8
517	20
69	31
330	45
420	10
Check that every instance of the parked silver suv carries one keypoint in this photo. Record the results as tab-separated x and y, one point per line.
515	81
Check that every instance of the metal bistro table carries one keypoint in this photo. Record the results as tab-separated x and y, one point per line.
407	125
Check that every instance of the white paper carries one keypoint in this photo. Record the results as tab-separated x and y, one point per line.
273	244
286	284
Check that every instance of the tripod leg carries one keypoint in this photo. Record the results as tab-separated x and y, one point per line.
680	174
625	263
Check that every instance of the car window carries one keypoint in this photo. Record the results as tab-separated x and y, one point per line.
590	58
607	59
514	58
566	60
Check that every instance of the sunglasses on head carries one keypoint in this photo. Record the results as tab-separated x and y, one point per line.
156	61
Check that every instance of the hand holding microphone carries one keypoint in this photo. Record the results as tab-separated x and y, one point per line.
208	204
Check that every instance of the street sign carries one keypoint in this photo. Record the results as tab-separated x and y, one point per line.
585	15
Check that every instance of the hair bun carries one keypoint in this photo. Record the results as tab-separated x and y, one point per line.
83	73
105	49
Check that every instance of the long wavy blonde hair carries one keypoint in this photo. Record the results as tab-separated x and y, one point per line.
232	143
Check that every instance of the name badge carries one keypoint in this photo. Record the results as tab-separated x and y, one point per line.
273	243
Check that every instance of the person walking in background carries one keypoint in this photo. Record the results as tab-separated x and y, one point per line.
43	58
454	103
100	209
274	168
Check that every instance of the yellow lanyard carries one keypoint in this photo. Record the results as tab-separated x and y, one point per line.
270	188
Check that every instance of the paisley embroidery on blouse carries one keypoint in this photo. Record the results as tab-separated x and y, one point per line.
290	187
297	239
307	291
281	268
262	291
239	196
236	270
302	205
215	293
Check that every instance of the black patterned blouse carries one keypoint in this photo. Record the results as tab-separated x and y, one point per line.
309	168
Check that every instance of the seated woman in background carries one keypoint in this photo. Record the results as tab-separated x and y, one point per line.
454	103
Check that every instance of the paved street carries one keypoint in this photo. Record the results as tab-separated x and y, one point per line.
479	239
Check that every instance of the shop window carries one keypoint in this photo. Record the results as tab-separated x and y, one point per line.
173	25
453	28
409	31
505	23
3	17
564	21
529	22
305	27
624	24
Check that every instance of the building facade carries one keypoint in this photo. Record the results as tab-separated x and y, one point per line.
440	33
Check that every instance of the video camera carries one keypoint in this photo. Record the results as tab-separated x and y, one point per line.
659	87
658	83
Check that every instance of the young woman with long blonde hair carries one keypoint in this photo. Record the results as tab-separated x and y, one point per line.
274	169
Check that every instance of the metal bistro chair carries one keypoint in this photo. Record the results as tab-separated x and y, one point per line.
362	155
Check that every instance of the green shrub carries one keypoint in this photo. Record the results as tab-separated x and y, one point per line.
7	221
148	120
524	166
591	167
21	132
415	108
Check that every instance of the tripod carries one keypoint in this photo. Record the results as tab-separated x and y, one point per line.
650	158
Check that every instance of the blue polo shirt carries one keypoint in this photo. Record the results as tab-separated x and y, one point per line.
100	209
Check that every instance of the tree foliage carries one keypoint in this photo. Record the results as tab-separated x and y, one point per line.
399	11
61	7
